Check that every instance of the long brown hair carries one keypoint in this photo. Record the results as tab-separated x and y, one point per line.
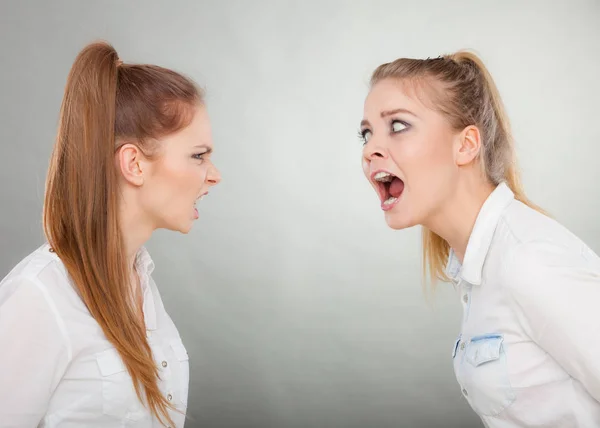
461	87
107	103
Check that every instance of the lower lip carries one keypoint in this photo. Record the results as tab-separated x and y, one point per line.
196	214
387	207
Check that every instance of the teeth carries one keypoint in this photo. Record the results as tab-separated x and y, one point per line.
383	177
390	200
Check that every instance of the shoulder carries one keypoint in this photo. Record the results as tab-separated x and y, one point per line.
544	266
25	276
528	225
32	294
39	272
538	249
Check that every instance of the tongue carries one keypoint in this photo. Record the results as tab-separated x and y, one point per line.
396	187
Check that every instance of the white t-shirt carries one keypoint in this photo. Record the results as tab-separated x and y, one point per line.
57	369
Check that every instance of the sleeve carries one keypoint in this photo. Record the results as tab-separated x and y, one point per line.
555	293
34	352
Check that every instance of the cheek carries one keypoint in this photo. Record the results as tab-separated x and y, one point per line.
429	170
188	181
430	159
173	181
172	178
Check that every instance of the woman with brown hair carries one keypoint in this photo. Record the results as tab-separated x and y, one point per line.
85	339
439	153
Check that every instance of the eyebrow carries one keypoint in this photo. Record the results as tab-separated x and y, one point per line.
386	113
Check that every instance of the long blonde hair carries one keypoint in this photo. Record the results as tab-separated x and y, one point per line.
105	104
467	96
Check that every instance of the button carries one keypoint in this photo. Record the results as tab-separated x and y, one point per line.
51	250
462	346
466	298
164	364
464	391
169	397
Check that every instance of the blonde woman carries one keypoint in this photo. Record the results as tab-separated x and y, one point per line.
84	337
439	153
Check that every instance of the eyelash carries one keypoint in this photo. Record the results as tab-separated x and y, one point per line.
362	132
198	156
361	135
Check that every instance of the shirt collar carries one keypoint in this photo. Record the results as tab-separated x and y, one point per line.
144	266
143	262
481	237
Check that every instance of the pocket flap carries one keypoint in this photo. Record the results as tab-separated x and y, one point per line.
110	362
483	349
179	350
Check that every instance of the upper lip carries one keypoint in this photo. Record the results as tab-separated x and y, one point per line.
202	194
374	173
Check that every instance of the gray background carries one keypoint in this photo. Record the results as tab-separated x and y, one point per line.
299	307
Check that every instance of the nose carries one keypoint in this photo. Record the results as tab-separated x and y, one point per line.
214	176
372	151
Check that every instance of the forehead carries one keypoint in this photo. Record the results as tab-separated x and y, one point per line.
200	126
197	132
392	94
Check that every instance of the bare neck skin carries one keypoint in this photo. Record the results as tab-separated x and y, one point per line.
455	220
136	229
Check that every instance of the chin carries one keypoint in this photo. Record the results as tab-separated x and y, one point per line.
397	221
186	229
181	227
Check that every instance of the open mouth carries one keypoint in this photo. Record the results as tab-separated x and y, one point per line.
389	188
199	198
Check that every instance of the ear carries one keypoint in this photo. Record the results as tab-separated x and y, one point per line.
130	162
469	145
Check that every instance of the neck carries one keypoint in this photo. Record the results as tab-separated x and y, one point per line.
454	222
136	229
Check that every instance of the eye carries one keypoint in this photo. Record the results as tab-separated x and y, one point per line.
399	126
198	156
364	135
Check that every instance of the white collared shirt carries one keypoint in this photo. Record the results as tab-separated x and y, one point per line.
58	368
529	350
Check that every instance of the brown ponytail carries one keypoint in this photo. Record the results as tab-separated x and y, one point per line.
105	102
